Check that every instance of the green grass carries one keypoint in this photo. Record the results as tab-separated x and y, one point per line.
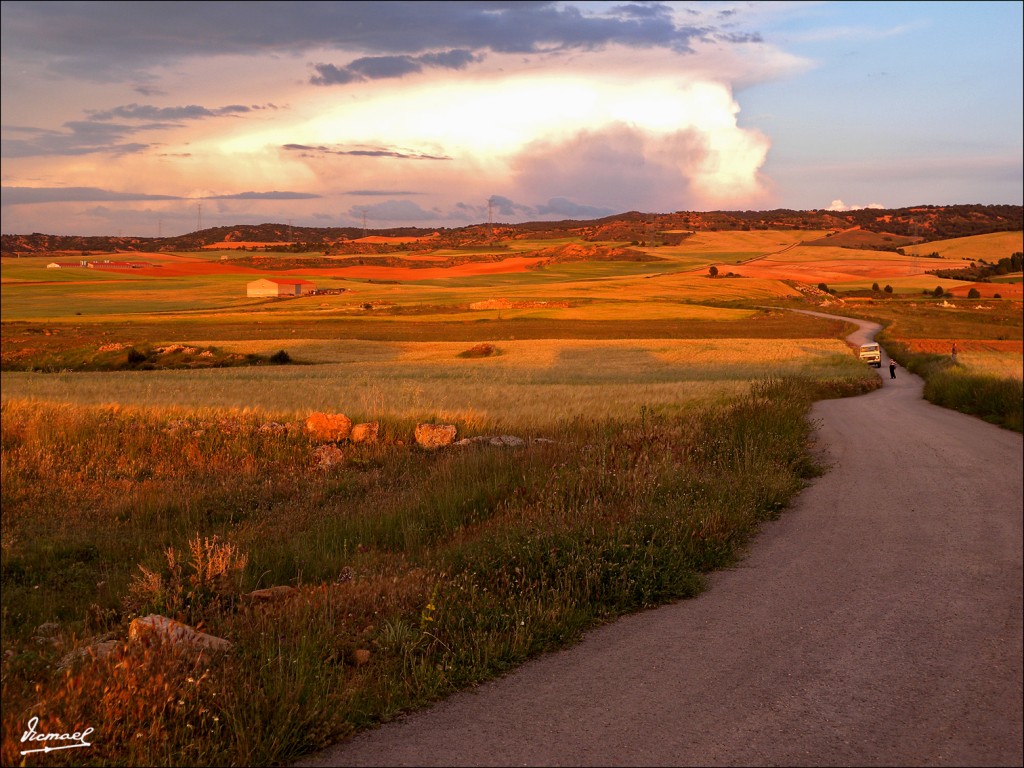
996	399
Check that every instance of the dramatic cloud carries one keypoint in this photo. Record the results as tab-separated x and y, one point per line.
394	210
265	196
560	206
81	138
147	112
623	167
379	67
33	195
392	152
77	44
839	205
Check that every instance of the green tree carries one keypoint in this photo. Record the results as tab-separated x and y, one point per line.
823	287
875	288
713	271
938	292
973	294
888	289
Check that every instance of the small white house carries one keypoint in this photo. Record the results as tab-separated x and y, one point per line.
273	286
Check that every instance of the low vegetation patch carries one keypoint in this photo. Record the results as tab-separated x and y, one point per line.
117	356
996	399
416	573
479	350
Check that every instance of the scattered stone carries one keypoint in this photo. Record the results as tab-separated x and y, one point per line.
271	593
544	440
329	427
97	650
112	347
509	441
326	456
361	656
274	428
435	435
49	629
163	629
365	433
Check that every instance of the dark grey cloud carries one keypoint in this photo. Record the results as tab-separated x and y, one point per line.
115	40
609	169
265	196
361	151
380	67
99	134
81	137
503	206
394	210
149	112
562	206
34	195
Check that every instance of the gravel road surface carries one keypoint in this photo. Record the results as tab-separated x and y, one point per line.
878	622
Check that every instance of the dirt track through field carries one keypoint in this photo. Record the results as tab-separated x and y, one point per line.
878	622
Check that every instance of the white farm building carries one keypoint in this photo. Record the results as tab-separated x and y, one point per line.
272	286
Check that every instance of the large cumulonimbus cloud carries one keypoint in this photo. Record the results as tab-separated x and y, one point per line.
75	40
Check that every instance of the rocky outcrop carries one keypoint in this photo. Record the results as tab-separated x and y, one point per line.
328	427
435	435
326	456
156	628
365	433
507	441
271	594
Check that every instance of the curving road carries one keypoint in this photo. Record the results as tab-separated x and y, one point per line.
878	622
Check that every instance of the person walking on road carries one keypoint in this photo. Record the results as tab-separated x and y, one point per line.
892	368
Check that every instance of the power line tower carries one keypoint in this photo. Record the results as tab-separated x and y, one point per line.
363	211
490	212
199	216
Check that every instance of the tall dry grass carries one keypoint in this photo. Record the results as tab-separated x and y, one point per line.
417	573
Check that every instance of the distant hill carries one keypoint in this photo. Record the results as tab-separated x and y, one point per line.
900	226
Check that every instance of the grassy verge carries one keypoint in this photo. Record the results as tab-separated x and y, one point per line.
417	573
996	399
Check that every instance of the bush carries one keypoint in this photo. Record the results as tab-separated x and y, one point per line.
875	288
280	358
823	287
973	294
135	357
480	350
938	293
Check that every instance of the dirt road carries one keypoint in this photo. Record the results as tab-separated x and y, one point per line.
878	622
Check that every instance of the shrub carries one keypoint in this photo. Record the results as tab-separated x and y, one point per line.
888	289
280	358
875	288
973	294
823	287
938	292
135	357
480	350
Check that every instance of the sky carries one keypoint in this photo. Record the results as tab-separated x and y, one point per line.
159	118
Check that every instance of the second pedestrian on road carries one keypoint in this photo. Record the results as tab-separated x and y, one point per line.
892	369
